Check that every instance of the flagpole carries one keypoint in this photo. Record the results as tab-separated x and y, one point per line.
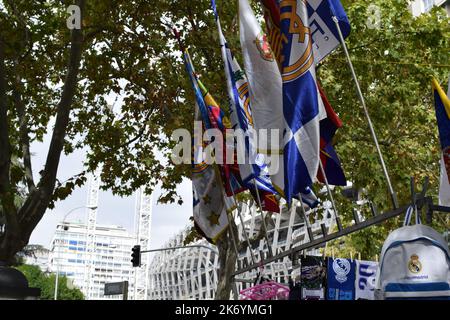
308	227
233	237
243	226
363	103
263	223
336	216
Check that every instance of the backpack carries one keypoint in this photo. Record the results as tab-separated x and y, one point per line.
414	263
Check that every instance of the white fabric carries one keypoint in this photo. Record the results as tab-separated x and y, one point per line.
265	87
366	272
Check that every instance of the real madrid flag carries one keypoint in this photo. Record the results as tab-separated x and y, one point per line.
302	105
442	106
325	36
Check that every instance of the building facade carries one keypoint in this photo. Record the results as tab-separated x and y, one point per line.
111	257
419	7
192	273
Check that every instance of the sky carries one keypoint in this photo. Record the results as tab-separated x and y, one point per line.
112	210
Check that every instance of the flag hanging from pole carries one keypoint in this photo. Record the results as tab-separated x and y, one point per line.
325	36
328	156
254	171
302	105
229	172
266	96
442	107
210	204
265	90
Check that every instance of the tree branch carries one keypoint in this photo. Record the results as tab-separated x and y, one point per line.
23	130
37	202
48	179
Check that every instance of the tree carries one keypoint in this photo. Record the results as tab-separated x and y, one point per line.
37	279
56	79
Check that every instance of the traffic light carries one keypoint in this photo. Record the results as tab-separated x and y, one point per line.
136	256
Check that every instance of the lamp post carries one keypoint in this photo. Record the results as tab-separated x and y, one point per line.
59	251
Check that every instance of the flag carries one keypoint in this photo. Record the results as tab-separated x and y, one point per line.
328	156
210	204
324	33
302	106
325	36
341	279
230	172
265	88
442	107
254	171
366	272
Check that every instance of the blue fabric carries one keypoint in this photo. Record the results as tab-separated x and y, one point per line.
341	277
300	106
417	287
198	93
443	121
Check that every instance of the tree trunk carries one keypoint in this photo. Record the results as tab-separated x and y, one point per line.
227	264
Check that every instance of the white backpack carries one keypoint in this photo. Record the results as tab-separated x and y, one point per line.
414	263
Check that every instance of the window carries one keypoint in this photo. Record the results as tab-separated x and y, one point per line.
427	5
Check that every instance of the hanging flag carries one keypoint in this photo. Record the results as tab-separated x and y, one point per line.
302	106
325	36
265	90
341	279
229	172
366	272
313	274
442	106
324	33
210	204
254	170
328	156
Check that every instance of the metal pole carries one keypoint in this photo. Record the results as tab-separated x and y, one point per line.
57	275
263	220
246	237
336	216
233	237
366	112
243	227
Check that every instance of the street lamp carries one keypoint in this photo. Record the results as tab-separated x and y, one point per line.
59	251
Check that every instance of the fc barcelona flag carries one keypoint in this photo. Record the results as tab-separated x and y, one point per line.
330	161
442	106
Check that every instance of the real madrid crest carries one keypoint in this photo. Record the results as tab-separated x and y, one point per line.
263	46
341	268
414	265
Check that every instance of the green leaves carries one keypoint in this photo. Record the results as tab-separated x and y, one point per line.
46	282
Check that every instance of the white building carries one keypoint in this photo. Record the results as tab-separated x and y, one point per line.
422	6
111	258
192	273
39	258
